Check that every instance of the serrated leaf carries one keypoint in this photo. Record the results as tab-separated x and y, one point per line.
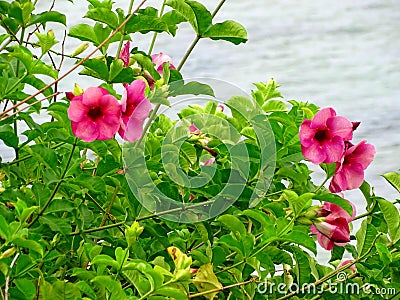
230	31
48	16
103	15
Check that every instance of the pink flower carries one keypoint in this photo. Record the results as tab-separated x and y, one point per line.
333	226
124	54
135	109
194	130
209	162
322	138
160	59
95	115
347	261
350	169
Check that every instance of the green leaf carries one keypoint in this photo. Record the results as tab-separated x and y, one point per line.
57	224
84	32
46	41
335	199
26	287
145	23
30	244
45	155
115	69
394	179
38	84
365	237
41	68
173	18
86	288
274	105
206	280
62	290
392	218
192	88
194	12
98	67
8	136
24	55
302	267
233	224
230	31
92	183
189	152
21	12
48	16
147	64
302	239
114	286
4	229
384	253
297	202
103	259
103	15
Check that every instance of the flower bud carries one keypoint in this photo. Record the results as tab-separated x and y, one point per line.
8	252
80	49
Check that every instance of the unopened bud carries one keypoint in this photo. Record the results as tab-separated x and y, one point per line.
80	49
8	252
78	90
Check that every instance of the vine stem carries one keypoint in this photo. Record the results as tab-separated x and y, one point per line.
153	41
98	228
223	288
4	115
53	194
121	40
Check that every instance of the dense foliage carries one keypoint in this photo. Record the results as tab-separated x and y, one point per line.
216	202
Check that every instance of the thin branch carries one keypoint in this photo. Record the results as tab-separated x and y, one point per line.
8	277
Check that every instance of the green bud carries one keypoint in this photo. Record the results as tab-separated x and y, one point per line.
8	252
304	221
80	49
132	233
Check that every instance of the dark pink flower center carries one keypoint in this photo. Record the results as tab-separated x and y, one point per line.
95	113
322	136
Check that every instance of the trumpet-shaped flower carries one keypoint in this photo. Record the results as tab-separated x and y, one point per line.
333	226
95	114
350	169
160	59
135	109
322	138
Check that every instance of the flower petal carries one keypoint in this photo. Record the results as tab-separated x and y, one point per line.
348	177
77	111
314	153
92	96
306	133
86	130
333	150
142	110
361	153
134	130
321	117
340	126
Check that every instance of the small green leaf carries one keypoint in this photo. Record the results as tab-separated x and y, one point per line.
171	293
45	155
274	105
4	229
394	179
21	12
98	67
173	18
30	244
103	15
46	41
336	199
57	224
392	218
8	136
41	68
230	31
86	288
302	239
38	84
365	237
233	224
206	280
144	23
115	69
48	16
103	259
